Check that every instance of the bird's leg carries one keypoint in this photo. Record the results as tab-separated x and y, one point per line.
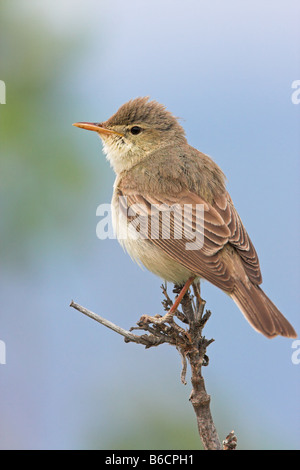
168	317
181	295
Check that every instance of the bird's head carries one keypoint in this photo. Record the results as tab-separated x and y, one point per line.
139	128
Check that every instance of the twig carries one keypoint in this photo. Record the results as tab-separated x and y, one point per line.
230	442
144	339
191	345
184	366
198	358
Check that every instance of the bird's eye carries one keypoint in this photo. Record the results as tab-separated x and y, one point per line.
135	130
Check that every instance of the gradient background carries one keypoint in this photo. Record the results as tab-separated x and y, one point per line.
226	68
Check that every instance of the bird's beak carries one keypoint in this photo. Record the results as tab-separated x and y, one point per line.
97	127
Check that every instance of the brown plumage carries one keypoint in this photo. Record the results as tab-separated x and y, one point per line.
155	166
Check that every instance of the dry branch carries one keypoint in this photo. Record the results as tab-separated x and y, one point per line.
191	345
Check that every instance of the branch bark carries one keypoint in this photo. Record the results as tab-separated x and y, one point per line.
191	345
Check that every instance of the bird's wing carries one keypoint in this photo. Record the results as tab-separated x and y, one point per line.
198	231
239	237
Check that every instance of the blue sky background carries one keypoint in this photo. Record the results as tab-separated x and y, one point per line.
226	69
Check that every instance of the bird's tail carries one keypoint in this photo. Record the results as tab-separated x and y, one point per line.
260	311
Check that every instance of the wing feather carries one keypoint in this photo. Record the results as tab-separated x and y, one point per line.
219	226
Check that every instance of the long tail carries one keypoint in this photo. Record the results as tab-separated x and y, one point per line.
260	311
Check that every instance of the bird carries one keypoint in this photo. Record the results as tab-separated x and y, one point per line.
155	167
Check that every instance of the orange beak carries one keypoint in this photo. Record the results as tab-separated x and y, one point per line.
97	127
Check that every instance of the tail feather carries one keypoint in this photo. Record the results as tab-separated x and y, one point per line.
260	311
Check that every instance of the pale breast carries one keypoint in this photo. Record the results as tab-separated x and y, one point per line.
142	250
